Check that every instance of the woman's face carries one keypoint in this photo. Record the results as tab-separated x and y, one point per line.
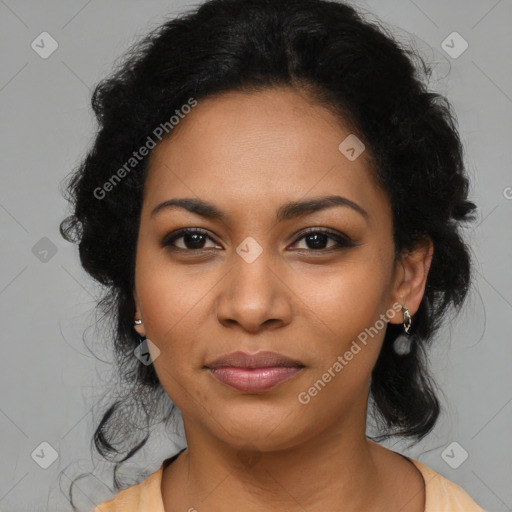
251	281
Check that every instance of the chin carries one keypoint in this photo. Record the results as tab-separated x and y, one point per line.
261	428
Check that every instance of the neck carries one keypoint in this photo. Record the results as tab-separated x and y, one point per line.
215	477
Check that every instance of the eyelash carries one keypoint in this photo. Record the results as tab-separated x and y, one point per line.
343	241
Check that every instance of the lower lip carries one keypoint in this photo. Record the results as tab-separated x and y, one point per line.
254	379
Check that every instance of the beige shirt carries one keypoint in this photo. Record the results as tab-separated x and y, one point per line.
442	495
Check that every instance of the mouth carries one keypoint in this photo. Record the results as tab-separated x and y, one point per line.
254	372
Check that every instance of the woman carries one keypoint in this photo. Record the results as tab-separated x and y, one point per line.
273	200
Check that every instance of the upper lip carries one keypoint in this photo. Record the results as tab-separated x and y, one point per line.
258	360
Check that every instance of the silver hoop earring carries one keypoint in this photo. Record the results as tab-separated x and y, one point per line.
138	322
407	320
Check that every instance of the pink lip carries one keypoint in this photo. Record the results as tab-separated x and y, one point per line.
254	372
254	379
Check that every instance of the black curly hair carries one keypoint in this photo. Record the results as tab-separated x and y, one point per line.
355	68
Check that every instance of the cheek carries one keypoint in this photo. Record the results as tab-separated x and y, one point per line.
347	298
345	312
169	327
170	294
175	303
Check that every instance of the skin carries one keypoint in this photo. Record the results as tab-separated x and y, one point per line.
248	154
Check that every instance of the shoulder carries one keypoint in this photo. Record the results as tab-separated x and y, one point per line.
145	495
442	495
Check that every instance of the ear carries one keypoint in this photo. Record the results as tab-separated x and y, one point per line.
411	273
138	314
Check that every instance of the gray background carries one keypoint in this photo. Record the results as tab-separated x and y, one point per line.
49	379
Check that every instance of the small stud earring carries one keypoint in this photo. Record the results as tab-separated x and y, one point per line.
138	322
407	320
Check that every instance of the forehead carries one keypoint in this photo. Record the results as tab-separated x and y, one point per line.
253	150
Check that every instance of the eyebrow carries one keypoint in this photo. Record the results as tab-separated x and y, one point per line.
287	211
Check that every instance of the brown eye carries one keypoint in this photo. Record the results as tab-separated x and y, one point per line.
192	240
317	240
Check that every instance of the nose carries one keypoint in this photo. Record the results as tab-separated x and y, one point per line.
254	295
